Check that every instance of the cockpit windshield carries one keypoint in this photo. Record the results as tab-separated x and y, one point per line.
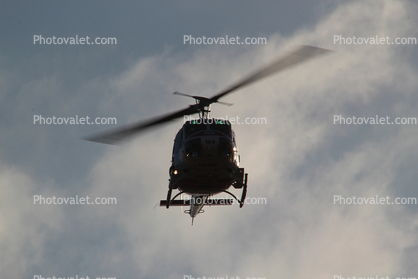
194	126
198	125
222	126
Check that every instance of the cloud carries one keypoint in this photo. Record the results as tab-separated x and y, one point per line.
25	228
299	160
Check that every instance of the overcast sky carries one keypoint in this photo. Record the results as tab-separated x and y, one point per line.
299	161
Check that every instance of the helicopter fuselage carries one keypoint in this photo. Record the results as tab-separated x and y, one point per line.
205	162
205	157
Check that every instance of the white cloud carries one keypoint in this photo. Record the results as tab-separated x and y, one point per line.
299	160
24	227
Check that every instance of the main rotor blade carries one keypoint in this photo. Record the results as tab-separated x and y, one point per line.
299	55
182	94
123	133
202	99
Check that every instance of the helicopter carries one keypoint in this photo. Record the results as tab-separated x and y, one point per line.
205	160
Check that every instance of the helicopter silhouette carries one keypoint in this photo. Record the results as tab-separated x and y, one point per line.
205	159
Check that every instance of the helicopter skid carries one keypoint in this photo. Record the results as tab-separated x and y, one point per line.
209	202
204	200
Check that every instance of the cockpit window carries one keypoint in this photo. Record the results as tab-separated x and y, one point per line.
177	141
192	127
195	126
222	126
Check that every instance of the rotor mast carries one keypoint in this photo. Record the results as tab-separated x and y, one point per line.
202	104
205	112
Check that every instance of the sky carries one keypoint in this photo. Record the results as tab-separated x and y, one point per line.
300	161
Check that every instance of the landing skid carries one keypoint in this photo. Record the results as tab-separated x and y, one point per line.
174	202
244	192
